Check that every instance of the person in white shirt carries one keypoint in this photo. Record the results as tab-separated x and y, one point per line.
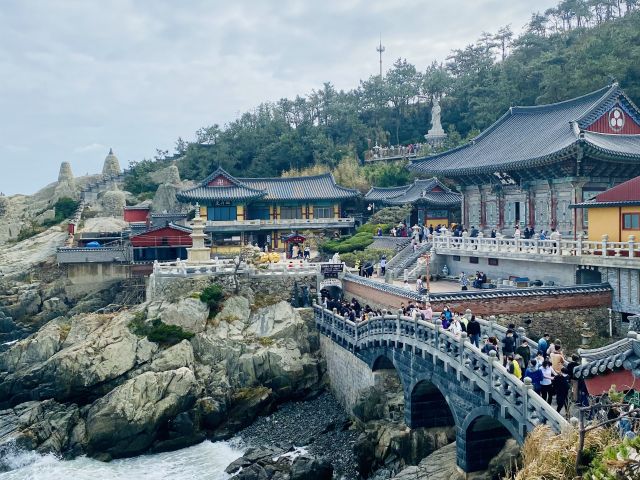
455	327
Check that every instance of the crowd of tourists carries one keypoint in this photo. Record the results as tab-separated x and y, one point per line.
550	371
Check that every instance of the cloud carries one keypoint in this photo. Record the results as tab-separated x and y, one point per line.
136	74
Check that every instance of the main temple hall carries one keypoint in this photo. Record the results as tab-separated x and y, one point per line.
535	161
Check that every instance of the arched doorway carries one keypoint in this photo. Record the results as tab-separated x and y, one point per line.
485	437
429	407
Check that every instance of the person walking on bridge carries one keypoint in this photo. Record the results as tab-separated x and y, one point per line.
473	330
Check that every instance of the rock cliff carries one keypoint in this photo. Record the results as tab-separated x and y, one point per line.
160	376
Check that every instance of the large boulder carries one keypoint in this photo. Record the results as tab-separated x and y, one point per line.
126	420
189	313
277	321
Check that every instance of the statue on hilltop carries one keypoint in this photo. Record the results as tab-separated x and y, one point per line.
436	135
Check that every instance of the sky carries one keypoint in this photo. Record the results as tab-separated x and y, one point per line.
80	76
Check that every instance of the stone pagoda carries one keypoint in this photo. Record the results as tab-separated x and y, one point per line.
198	253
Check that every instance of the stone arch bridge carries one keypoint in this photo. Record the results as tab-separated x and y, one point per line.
446	381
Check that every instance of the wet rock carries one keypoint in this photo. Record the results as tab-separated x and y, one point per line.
125	421
43	426
309	468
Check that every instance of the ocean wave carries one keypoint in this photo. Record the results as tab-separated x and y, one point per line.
205	461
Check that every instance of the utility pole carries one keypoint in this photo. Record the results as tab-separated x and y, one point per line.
380	49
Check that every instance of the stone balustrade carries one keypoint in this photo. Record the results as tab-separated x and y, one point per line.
574	251
472	374
226	266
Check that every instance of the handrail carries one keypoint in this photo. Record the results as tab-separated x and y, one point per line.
485	371
558	247
281	221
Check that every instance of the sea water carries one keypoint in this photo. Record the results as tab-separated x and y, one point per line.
205	461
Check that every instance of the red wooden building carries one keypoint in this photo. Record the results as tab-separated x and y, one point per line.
163	243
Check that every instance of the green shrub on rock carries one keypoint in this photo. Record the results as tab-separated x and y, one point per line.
212	296
158	331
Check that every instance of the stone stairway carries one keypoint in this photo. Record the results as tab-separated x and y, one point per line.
407	259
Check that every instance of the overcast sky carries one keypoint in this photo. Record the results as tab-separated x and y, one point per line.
80	76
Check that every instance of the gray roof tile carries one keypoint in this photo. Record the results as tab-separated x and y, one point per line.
317	187
535	135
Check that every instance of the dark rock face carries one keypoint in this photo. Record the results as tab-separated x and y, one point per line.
309	468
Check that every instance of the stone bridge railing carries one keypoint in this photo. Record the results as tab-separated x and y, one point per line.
578	251
181	268
517	403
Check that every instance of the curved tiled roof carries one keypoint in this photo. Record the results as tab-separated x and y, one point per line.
624	353
317	187
202	192
537	135
418	191
384	193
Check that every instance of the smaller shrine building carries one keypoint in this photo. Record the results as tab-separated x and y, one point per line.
614	212
265	211
433	202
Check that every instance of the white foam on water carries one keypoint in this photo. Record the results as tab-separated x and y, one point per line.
205	461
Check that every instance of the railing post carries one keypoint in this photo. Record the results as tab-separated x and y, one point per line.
527	386
398	322
605	239
559	252
536	245
438	324
579	246
493	357
632	239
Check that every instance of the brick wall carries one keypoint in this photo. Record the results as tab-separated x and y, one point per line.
562	315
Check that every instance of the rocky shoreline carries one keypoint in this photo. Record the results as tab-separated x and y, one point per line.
319	424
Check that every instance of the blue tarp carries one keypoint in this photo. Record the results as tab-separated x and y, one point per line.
93	244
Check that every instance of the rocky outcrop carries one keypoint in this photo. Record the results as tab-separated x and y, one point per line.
113	392
42	426
106	349
440	465
126	420
113	203
189	313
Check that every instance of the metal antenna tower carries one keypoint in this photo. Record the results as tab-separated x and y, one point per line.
380	49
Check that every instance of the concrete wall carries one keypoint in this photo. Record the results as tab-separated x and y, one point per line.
559	273
88	277
348	375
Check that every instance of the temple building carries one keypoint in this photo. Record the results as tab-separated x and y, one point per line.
534	162
433	202
266	211
614	213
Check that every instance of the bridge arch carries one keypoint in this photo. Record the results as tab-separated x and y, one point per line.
484	433
428	406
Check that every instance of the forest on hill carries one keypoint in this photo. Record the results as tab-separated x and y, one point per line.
575	48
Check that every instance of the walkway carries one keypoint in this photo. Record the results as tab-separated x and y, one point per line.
447	380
